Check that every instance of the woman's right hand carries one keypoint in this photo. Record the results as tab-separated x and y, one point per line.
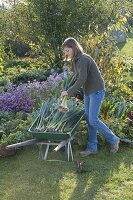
64	93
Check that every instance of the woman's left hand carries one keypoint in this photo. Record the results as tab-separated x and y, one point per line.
64	93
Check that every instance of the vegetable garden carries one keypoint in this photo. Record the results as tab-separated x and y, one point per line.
33	73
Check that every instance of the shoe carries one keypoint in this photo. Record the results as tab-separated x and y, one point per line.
115	147
87	153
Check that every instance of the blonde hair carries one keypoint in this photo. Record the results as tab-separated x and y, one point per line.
72	43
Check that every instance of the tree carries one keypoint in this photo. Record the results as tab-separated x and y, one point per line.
47	23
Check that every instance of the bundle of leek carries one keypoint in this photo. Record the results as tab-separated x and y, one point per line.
63	106
52	120
46	110
68	82
68	121
62	122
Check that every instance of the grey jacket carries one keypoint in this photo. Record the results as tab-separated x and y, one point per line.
88	76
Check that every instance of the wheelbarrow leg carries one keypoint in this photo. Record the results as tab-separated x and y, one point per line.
43	153
69	151
46	152
44	148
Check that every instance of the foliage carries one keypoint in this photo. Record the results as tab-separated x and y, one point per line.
53	14
18	22
114	108
43	25
16	63
1	67
3	55
15	127
81	135
120	127
20	75
14	138
23	70
113	66
18	47
5	116
114	114
31	75
4	82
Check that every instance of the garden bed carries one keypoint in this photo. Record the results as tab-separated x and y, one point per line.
4	152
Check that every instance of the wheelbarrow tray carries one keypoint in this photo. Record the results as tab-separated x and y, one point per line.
52	135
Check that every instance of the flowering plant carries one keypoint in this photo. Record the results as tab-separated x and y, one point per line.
15	100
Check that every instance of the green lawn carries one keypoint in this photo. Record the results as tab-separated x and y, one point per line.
25	177
126	48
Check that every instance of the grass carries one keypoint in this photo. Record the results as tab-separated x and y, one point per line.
126	48
25	177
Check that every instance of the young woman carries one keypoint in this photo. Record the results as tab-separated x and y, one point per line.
90	79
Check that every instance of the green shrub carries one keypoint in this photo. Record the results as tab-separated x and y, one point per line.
5	117
11	123
3	84
30	75
14	138
16	63
18	47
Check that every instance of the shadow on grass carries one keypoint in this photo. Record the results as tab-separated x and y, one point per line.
101	168
130	35
121	45
24	177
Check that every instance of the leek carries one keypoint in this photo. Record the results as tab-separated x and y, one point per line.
63	106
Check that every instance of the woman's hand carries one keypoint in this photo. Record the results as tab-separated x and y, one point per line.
64	93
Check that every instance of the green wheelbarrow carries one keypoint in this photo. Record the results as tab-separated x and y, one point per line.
54	128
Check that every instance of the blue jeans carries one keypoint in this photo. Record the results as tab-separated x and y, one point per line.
92	103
